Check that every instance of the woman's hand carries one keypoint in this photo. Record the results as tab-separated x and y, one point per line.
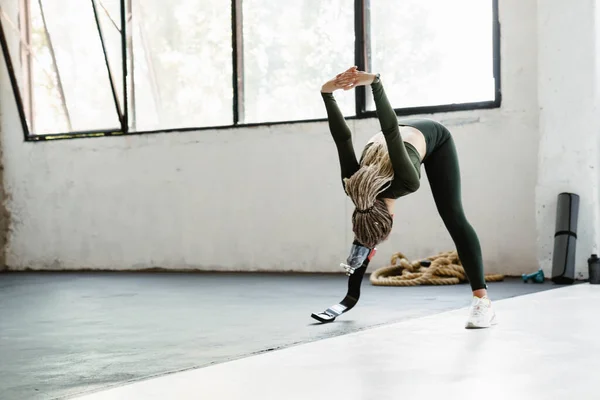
344	80
329	86
352	78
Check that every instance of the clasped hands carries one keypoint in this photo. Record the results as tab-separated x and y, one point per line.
347	80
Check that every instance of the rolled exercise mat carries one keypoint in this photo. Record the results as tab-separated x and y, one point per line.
565	239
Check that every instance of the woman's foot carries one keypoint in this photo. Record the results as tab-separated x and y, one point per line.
481	313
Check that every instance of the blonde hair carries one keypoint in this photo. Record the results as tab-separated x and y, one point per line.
371	220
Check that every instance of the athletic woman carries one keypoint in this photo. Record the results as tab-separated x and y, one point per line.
389	168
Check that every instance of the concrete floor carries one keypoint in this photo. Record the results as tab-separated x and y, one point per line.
545	347
64	334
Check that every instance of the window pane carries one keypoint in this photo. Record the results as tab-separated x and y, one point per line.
63	76
433	52
290	49
182	63
109	13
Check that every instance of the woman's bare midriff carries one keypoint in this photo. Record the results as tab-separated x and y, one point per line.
409	135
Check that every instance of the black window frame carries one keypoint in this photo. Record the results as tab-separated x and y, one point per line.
362	57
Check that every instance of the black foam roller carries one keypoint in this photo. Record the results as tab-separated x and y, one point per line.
565	239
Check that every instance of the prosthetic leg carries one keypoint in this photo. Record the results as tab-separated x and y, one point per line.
356	266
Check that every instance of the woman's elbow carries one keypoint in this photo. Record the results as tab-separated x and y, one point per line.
413	185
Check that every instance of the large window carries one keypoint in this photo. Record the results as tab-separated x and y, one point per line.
434	52
288	53
109	67
181	64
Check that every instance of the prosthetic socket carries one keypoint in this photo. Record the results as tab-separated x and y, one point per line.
358	255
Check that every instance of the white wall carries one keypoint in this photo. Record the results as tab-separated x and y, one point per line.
569	122
268	198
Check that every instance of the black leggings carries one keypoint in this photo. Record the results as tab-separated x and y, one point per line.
441	165
443	173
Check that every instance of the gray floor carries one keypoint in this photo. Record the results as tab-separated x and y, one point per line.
61	334
544	347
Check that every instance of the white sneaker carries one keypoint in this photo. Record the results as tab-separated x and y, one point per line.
481	314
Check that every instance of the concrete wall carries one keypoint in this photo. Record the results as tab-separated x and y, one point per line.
569	122
269	198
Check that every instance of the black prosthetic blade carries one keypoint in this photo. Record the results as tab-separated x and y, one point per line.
358	261
330	314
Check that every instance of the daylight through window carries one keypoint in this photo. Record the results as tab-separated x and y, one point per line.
192	64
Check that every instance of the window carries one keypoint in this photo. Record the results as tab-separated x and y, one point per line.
433	52
63	79
289	51
181	64
192	64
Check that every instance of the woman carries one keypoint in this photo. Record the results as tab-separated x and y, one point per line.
390	167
